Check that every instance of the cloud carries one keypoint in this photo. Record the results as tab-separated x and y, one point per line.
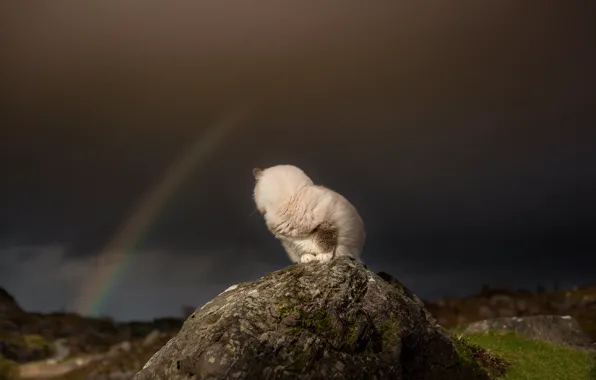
159	282
155	283
41	277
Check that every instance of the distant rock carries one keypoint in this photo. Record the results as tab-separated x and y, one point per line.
552	328
8	305
579	303
336	320
151	338
120	348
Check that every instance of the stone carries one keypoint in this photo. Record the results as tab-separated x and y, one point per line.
506	312
461	319
119	348
401	288
502	300
8	305
334	320
151	338
486	312
521	305
551	328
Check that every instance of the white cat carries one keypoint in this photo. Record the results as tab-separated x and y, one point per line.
312	222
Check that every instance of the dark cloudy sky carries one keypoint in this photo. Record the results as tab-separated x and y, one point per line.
464	132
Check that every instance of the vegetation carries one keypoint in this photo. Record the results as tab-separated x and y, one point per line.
471	354
9	370
25	347
390	332
509	356
319	321
578	303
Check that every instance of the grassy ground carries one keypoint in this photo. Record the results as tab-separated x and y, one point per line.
530	359
505	355
8	369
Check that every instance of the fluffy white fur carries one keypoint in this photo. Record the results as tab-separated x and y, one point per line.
295	211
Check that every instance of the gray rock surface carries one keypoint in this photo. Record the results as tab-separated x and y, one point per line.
551	328
335	320
151	338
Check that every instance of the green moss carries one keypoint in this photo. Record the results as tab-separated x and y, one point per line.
9	370
390	332
285	310
463	349
533	359
476	358
319	321
38	342
352	333
35	345
322	323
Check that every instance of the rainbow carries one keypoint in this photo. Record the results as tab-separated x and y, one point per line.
117	255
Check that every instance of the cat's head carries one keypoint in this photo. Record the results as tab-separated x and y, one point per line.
276	184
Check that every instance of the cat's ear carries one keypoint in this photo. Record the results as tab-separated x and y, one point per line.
257	173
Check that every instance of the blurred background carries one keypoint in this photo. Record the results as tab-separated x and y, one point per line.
463	133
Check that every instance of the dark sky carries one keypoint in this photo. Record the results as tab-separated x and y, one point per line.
463	132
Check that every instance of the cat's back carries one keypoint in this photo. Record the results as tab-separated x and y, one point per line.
341	208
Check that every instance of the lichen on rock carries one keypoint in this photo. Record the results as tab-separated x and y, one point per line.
335	320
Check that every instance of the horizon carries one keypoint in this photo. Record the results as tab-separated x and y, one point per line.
553	287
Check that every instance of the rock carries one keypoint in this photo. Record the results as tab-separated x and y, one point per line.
8	305
334	320
401	288
552	328
502	300
125	375
118	349
485	312
121	375
151	338
588	301
521	305
534	309
506	312
461	319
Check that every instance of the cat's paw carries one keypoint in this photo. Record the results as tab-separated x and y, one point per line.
324	257
307	258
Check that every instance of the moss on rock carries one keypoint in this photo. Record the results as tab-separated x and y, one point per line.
318	321
390	332
472	355
352	333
